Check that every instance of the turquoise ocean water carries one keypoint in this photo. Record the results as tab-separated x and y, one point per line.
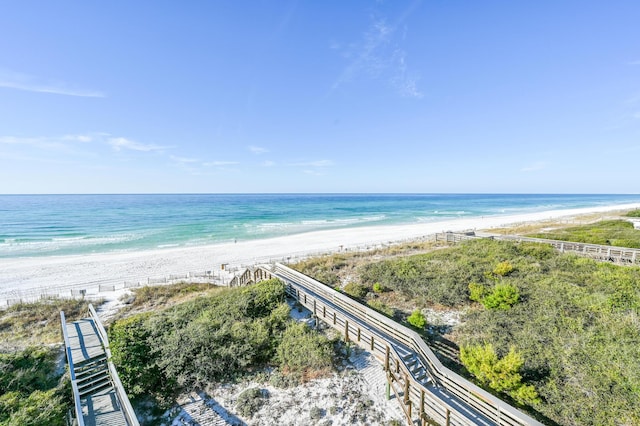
45	225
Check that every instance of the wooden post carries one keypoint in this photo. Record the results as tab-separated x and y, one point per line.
314	308
388	389
334	317
305	298
346	331
358	334
397	366
372	345
421	403
386	360
448	419
324	311
406	389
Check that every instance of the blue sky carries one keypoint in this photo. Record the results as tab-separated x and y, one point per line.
319	96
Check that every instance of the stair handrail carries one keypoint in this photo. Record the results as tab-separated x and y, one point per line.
417	344
127	409
72	373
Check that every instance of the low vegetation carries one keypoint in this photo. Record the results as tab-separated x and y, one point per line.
214	338
32	391
620	233
34	324
556	332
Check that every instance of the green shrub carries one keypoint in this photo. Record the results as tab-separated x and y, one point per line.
503	269
378	288
499	374
503	297
250	401
356	290
476	292
633	213
30	391
417	319
301	349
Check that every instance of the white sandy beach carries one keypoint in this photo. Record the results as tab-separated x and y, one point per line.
24	277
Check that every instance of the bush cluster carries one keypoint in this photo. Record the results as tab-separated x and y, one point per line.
211	339
30	393
572	319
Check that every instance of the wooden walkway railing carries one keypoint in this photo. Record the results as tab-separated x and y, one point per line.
623	255
428	392
99	398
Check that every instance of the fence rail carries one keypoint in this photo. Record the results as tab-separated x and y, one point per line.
446	399
623	255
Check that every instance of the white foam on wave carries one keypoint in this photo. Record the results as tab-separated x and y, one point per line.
14	246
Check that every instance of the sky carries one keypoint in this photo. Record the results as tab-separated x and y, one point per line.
319	96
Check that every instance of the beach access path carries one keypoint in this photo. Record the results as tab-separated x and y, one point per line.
73	272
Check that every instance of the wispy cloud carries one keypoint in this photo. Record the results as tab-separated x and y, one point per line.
317	163
183	160
29	83
257	149
268	163
636	115
220	163
534	167
46	142
120	144
378	56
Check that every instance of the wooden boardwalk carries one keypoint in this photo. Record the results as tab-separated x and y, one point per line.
98	395
428	392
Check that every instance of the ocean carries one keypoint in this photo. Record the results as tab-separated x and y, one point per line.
46	225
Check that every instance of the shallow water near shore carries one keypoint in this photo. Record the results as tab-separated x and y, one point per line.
44	225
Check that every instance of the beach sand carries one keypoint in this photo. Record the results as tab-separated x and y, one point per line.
27	277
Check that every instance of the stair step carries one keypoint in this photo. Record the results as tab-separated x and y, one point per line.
90	374
95	389
90	363
407	357
92	383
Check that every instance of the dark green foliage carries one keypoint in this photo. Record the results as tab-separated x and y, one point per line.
301	349
137	363
607	232
633	213
356	290
575	323
213	338
417	319
30	394
250	401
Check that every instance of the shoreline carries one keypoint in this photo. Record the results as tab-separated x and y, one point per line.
73	272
